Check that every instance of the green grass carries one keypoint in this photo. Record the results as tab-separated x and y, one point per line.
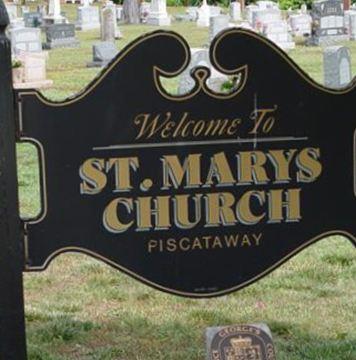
82	309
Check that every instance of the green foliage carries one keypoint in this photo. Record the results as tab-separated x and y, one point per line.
294	4
16	64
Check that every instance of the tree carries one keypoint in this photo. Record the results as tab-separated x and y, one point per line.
131	11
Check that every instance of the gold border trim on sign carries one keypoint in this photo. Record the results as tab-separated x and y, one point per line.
182	293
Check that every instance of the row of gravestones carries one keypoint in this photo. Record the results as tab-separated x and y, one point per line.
325	24
27	45
336	64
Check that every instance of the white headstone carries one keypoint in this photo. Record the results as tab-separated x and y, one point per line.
200	57
54	13
87	17
278	33
217	24
300	24
25	40
203	15
235	11
158	13
34	71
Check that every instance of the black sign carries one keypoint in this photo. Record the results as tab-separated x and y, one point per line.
199	194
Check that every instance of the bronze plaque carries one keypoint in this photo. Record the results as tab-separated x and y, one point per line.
242	342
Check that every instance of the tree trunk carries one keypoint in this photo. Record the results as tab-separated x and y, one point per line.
131	11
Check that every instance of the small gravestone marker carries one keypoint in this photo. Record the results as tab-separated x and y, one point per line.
301	24
240	342
352	26
32	19
203	15
217	24
60	35
200	57
108	24
103	53
337	67
11	10
25	40
87	17
54	13
158	13
235	11
34	71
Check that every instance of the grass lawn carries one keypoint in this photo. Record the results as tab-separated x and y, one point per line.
82	309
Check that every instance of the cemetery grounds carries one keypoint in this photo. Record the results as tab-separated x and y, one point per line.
80	308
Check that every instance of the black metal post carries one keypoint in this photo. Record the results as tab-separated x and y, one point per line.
12	323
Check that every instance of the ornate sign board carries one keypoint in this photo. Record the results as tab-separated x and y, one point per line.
200	194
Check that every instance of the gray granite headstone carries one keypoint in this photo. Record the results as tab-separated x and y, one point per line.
217	24
32	19
240	342
60	35
328	22
25	40
108	25
337	67
103	53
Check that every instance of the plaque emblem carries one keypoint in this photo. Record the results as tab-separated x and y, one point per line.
242	342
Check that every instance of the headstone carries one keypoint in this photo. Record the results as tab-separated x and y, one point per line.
54	13
87	17
203	15
42	9
108	24
278	33
304	9
144	11
33	19
215	10
60	35
25	9
328	22
11	10
235	11
200	57
352	27
25	40
192	13
158	13
34	71
265	16
264	5
337	67
119	13
240	342
250	9
301	24
347	22
217	24
103	53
